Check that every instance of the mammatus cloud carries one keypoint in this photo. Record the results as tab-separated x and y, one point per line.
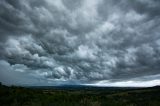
46	42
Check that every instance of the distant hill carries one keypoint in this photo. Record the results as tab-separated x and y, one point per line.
81	87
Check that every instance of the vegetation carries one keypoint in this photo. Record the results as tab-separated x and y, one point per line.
19	96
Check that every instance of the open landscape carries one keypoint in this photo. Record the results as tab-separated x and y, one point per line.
79	96
80	52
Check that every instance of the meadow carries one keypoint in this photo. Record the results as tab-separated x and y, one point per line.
79	96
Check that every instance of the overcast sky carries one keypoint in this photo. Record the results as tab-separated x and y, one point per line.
91	42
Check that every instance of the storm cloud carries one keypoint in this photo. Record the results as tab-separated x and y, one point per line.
82	42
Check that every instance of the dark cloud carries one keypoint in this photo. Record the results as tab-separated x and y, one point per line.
88	41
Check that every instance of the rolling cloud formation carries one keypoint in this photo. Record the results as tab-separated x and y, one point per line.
87	41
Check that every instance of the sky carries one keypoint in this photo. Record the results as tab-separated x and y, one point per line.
87	42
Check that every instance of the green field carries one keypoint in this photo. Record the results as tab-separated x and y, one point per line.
19	96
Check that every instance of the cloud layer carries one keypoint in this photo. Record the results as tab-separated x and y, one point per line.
82	42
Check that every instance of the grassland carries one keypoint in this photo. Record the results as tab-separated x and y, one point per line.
20	96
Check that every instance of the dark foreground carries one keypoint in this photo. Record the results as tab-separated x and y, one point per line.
79	96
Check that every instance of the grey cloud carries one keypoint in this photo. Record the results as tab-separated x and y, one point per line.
84	41
10	77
